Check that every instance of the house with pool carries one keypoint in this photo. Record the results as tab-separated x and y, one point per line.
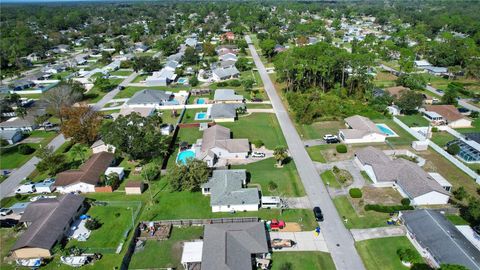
220	112
227	96
148	98
362	130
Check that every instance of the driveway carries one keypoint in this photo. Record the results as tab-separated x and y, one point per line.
305	241
339	241
308	143
297	202
382	232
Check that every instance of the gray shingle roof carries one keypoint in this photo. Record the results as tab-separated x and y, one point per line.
443	240
8	134
230	246
224	110
360	126
218	136
227	95
19	122
149	97
49	218
226	72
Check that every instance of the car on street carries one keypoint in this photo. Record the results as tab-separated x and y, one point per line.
121	87
258	155
318	213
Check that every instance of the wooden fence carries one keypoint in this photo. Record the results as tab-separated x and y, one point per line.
192	222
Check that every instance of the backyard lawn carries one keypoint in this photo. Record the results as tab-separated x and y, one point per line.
258	126
381	254
302	260
441	138
189	116
165	253
12	159
286	178
315	153
475	127
414	120
370	219
121	73
189	135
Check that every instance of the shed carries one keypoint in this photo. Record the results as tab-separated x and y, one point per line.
420	145
192	254
134	187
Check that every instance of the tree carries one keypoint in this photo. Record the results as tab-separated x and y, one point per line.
280	154
406	60
194	81
149	173
79	150
412	81
137	137
189	176
60	97
21	112
190	57
460	193
453	149
81	123
471	213
52	164
209	49
243	64
93	224
407	255
410	101
104	84
248	84
112	180
452	267
450	96
268	47
25	149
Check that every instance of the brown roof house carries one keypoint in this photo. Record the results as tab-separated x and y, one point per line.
450	115
409	179
87	177
397	91
361	130
217	147
134	187
47	221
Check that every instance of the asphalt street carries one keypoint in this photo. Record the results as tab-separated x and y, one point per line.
339	241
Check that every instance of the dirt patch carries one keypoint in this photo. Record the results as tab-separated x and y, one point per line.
384	196
291	227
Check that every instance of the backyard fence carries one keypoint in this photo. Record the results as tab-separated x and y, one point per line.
193	222
130	249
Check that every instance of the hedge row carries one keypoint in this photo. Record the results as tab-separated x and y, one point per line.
387	208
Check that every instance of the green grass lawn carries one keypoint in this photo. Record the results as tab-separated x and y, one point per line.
121	73
189	135
317	130
258	126
140	78
457	220
441	138
259	106
303	260
189	116
381	254
414	120
11	159
165	253
384	79
32	96
370	219
329	179
315	153
287	179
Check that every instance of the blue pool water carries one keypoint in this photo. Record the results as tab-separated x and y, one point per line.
184	156
384	129
200	101
182	80
201	116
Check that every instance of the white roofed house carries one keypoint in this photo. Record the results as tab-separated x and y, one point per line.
161	78
101	146
361	130
220	73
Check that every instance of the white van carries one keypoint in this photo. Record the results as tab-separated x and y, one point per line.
26	189
271	202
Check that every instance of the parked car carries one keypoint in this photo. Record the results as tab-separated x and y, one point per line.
257	100
329	138
8	223
258	155
121	87
318	213
107	116
278	243
5	211
26	189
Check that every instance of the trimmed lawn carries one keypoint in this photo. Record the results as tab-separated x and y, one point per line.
317	130
287	179
121	73
414	120
189	116
140	78
259	106
11	159
303	260
371	219
315	153
258	126
381	253
329	179
189	135
457	220
441	138
165	253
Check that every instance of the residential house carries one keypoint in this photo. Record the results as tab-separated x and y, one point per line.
87	177
142	111
361	130
151	98
47	221
422	63
191	42
224	49
223	112
234	246
438	240
450	115
279	48
227	73
228	36
227	96
11	136
24	124
216	146
228	57
228	193
437	71
407	177
161	78
100	146
397	91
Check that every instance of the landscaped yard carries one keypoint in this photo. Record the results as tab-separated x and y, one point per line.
286	178
381	254
414	120
369	219
129	91
303	260
189	135
121	73
165	253
315	153
441	138
329	179
317	130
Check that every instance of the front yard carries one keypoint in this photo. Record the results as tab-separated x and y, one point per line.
368	219
317	130
302	260
414	120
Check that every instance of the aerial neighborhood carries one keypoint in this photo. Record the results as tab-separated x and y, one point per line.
239	135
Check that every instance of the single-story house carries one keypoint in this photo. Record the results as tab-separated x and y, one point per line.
422	63
216	146
438	240
118	170
192	255
228	57
220	74
223	112
227	48
47	221
437	71
87	177
134	187
397	91
452	117
142	111
227	192
409	179
24	124
11	136
361	130
234	246
227	96
161	78
151	98
101	146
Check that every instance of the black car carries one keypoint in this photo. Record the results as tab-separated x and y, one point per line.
107	116
332	140
8	223
318	213
121	87
257	100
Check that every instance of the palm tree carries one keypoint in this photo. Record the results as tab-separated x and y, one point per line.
280	154
79	150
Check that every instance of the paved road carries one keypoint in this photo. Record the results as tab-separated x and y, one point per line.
305	241
110	95
340	242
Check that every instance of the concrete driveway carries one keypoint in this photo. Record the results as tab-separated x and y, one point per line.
382	232
305	241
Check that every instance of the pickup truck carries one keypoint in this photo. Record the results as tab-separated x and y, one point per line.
278	243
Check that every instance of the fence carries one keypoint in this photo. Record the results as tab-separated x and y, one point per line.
439	150
193	222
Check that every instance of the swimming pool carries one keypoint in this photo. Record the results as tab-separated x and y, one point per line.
182	80
201	116
201	101
184	156
386	130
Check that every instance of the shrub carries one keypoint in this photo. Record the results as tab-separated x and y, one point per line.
3	142
258	143
286	266
474	114
460	193
92	224
406	254
222	84
386	208
25	149
355	193
235	83
453	149
405	201
341	148
272	185
335	169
